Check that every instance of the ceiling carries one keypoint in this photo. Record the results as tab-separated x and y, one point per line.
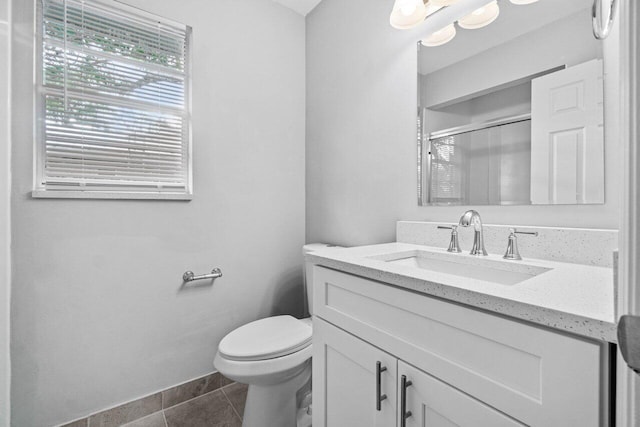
300	6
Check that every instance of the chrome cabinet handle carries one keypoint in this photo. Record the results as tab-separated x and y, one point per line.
404	384
379	397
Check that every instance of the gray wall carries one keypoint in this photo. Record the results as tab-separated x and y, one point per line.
361	133
4	215
567	41
98	313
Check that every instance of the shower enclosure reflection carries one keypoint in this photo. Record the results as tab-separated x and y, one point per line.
487	165
512	114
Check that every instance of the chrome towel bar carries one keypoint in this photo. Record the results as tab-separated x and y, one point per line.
188	276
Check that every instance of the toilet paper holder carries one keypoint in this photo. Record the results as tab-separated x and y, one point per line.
188	276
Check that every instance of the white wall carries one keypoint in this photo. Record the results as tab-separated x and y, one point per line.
567	41
98	314
506	102
5	231
361	134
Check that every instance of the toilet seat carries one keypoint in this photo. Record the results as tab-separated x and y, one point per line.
263	372
273	370
265	339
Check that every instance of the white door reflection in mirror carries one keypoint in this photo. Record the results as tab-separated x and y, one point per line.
568	136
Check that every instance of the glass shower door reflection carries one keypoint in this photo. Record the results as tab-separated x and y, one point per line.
490	166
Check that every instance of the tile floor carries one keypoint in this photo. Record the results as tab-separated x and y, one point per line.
219	408
209	401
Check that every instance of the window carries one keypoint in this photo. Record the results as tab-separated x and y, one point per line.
113	109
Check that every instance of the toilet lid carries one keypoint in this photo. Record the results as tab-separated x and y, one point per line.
266	339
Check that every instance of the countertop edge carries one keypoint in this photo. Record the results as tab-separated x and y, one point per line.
566	322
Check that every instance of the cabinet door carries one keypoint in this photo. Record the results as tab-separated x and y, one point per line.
434	403
345	373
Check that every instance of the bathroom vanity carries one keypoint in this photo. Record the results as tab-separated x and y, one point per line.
410	335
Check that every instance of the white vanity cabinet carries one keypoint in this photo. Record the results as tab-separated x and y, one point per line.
349	372
466	367
349	393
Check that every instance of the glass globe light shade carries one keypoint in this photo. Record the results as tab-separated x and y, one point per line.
407	14
440	37
480	17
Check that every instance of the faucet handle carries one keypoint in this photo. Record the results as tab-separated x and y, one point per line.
515	231
454	245
448	227
512	245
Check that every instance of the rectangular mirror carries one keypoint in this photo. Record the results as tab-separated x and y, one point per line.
513	113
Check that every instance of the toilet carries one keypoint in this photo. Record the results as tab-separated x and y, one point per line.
272	356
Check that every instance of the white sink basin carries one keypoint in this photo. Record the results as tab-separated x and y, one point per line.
500	272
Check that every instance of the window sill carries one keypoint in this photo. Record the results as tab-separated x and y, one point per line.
108	195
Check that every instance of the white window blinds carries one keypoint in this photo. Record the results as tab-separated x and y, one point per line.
114	109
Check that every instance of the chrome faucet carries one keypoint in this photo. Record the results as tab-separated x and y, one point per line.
472	217
512	246
454	246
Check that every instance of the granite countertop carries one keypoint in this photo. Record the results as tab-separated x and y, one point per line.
569	297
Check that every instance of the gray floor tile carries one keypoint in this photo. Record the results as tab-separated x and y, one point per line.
237	395
210	410
128	412
153	420
225	381
190	390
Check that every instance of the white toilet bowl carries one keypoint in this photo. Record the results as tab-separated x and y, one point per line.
272	356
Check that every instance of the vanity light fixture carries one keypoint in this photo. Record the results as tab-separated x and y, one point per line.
432	7
446	2
480	17
440	37
407	14
410	13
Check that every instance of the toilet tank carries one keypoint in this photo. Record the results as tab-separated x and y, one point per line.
308	291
